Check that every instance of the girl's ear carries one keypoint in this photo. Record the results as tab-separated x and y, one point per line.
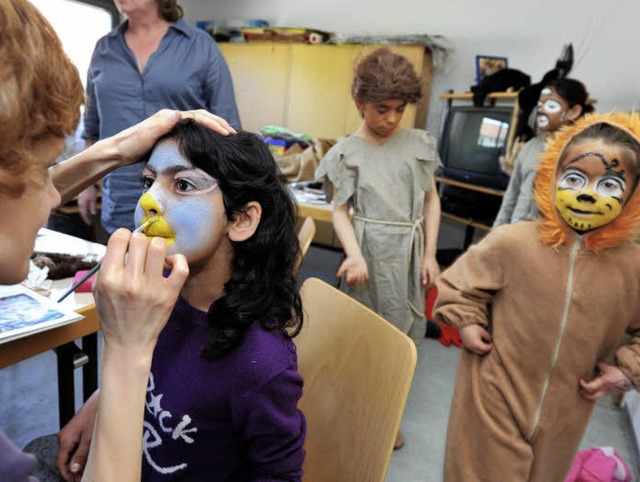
246	222
359	106
574	112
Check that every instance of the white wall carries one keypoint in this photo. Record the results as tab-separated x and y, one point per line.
605	35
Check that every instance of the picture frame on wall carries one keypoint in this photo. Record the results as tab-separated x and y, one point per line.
488	65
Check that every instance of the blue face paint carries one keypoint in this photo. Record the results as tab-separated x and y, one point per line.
185	200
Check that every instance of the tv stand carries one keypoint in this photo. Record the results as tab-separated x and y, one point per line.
470	223
508	96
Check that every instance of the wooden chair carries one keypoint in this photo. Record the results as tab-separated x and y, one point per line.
357	371
305	235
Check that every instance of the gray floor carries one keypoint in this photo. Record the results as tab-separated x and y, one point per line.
28	402
425	420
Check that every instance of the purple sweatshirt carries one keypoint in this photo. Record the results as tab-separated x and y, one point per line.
229	419
14	464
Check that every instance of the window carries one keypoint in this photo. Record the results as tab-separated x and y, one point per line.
493	132
79	24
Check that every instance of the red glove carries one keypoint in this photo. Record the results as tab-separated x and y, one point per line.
450	334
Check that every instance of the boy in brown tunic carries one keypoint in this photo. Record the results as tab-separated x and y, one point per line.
541	304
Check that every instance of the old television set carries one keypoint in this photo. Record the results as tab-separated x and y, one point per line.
471	143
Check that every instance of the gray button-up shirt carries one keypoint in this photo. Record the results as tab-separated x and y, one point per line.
187	71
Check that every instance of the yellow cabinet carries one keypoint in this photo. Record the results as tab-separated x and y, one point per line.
307	88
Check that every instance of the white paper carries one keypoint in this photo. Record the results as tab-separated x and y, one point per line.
23	312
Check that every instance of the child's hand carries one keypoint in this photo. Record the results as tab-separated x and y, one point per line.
476	339
610	379
430	271
355	270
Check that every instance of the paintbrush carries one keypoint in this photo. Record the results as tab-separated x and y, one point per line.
93	270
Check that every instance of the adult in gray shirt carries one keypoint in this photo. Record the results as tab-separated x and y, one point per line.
153	60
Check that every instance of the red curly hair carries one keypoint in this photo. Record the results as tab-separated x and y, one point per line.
551	228
40	91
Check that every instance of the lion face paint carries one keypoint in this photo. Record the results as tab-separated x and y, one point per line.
592	185
185	202
552	110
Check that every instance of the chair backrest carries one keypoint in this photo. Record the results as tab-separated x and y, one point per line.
305	235
357	371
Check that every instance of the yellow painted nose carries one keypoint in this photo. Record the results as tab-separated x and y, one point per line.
149	205
160	227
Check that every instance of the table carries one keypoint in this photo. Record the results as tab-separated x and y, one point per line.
319	212
311	203
62	338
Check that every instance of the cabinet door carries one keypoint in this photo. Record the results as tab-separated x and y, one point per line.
260	79
306	88
319	93
320	100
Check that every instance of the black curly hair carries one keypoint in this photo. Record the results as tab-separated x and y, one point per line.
263	285
574	92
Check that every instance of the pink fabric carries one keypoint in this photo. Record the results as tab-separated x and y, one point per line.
86	286
599	464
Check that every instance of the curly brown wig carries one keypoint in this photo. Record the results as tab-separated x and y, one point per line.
384	75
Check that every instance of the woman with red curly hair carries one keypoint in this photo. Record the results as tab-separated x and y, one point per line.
542	304
40	98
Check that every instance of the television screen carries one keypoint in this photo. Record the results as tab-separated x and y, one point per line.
472	141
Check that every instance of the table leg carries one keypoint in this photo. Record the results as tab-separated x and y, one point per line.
90	368
66	392
71	357
468	237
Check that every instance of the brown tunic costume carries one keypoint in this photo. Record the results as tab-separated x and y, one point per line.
557	304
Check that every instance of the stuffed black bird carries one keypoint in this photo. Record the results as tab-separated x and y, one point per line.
528	97
502	80
529	94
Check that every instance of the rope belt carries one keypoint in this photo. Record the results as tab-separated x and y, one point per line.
416	228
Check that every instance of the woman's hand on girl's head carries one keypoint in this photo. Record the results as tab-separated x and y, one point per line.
135	142
476	339
354	269
133	297
610	379
207	119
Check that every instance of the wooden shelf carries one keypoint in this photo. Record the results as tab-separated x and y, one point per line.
470	187
469	95
469	223
466	221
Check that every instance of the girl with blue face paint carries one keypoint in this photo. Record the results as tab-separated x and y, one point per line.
224	386
183	203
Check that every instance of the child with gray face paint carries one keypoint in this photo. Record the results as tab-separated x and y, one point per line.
561	102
